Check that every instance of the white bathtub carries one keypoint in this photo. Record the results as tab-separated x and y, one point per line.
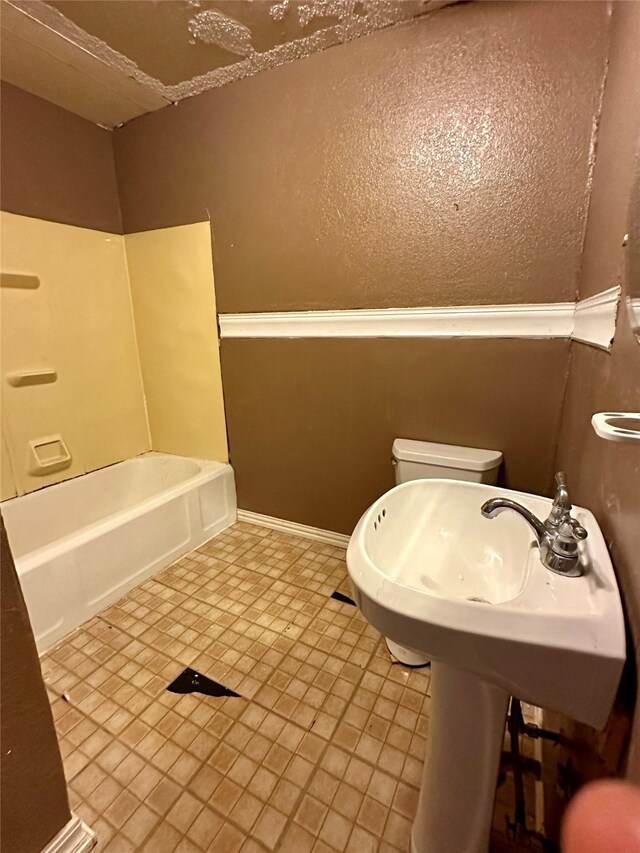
82	544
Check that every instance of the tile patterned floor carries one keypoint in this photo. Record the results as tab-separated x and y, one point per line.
322	752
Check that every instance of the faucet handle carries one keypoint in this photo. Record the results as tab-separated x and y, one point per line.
563	554
562	494
569	534
578	530
561	507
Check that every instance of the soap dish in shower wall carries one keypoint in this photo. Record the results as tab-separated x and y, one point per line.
48	455
617	426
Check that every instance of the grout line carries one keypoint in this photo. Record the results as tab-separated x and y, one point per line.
204	651
149	761
156	697
114	737
305	789
196	653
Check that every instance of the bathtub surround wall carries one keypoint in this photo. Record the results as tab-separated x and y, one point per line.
444	162
7	481
61	222
171	277
76	328
74	322
55	165
605	476
34	804
108	389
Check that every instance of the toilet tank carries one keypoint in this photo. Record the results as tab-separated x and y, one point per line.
420	460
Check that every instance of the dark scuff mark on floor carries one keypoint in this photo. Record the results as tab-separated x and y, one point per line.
191	681
340	596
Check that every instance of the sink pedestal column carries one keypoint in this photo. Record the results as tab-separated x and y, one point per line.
466	734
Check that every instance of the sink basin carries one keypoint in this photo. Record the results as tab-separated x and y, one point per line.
432	539
432	574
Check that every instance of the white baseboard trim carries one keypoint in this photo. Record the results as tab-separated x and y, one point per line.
340	540
544	320
74	837
595	319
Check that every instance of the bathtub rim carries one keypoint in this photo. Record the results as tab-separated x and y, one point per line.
209	470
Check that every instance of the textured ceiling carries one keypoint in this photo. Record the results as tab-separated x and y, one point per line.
148	53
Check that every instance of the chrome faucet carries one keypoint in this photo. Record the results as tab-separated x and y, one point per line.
557	537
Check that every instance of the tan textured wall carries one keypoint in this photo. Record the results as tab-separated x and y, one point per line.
444	162
617	143
441	162
33	799
79	323
605	476
55	165
311	422
174	306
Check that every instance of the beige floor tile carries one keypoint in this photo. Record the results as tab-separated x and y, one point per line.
205	828
296	839
335	830
74	763
121	809
228	840
163	796
362	841
140	824
269	826
347	801
184	811
398	831
104	794
146	780
246	811
128	768
322	751
311	814
204	783
263	783
372	816
225	796
120	844
164	839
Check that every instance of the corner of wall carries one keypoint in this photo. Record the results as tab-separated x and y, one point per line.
605	476
34	804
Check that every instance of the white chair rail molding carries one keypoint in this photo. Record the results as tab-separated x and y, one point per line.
590	321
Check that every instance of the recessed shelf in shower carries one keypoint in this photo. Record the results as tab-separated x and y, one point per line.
23	378
19	281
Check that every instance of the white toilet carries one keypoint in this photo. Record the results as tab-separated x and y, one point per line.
424	460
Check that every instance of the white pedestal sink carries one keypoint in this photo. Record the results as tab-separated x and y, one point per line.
430	572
